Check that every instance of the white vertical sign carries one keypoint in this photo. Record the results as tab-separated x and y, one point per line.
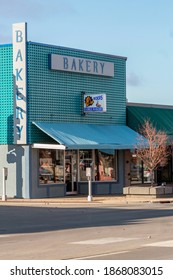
20	82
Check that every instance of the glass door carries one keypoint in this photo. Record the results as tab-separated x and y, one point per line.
71	172
135	170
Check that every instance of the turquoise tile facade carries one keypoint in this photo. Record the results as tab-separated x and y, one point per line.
6	94
55	96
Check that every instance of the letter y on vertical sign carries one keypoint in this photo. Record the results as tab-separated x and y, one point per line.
20	82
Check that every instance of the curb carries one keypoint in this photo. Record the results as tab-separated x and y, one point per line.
83	200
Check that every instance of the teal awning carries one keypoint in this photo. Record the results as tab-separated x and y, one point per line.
160	117
90	136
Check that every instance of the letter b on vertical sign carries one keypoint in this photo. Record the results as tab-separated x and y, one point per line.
19	37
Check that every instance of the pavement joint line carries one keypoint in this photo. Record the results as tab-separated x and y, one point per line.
100	255
166	243
102	241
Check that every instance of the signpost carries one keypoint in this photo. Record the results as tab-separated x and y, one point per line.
4	178
88	174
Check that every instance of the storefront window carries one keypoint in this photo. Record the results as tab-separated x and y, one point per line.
147	175
85	160
106	165
51	166
136	169
103	164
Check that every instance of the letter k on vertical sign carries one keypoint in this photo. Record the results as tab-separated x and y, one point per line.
19	82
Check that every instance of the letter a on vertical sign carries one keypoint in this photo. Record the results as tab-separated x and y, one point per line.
19	80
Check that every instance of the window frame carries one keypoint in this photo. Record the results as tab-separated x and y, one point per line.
45	177
94	155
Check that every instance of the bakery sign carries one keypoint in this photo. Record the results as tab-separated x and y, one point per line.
20	86
95	103
81	65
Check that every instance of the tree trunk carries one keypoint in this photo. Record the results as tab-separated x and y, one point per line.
152	178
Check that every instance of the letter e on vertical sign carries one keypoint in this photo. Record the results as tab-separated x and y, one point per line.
19	80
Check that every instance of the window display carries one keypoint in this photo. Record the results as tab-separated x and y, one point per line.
102	162
105	165
53	169
135	169
51	166
85	160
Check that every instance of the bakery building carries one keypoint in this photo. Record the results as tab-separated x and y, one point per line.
63	111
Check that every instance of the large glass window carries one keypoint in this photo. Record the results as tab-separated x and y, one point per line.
102	162
141	174
85	160
147	176
136	169
105	165
51	166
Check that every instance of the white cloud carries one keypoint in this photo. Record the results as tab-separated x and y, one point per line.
133	79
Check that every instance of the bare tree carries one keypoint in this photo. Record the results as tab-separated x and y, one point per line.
153	149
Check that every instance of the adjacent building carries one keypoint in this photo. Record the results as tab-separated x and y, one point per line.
161	116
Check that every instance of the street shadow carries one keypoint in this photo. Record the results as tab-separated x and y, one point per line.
24	219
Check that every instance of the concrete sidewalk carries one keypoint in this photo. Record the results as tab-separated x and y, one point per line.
118	199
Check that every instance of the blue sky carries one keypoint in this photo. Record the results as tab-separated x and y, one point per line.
141	30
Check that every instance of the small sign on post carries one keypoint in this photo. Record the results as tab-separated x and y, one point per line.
88	174
4	178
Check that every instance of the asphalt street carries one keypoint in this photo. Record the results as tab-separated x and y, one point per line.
86	231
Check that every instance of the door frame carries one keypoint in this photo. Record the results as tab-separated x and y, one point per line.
69	158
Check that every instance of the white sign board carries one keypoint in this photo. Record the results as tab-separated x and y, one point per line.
20	86
82	65
88	171
5	170
95	103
